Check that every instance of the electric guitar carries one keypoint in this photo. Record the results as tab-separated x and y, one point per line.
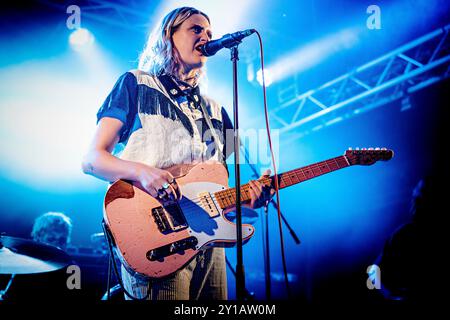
155	238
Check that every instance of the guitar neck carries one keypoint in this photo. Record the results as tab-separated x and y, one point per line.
227	198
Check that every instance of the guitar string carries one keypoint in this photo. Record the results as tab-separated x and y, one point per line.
286	178
230	194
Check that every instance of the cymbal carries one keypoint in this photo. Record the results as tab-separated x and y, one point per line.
22	256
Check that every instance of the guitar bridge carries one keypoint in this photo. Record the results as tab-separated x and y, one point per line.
169	218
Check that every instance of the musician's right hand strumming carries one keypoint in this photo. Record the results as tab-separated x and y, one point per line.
158	183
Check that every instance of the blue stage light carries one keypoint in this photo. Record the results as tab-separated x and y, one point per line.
81	38
268	77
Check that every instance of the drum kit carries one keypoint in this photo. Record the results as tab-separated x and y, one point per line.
21	256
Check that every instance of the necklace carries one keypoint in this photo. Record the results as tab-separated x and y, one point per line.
184	83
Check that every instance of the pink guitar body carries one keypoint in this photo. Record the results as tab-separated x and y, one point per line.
155	242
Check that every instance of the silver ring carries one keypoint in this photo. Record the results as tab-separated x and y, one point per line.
173	181
165	185
162	193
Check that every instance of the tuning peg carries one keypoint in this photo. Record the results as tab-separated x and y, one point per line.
370	149
364	149
377	149
349	148
357	148
384	149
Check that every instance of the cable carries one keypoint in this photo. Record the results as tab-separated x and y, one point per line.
108	285
116	271
283	256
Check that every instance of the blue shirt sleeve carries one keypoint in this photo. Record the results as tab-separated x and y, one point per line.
121	103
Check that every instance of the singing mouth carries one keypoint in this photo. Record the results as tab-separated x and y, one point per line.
198	48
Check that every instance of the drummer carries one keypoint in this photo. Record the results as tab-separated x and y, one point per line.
53	228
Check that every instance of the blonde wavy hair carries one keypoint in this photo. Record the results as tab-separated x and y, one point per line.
160	55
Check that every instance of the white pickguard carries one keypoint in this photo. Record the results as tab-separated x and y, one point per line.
201	225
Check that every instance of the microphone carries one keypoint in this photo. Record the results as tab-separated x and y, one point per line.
227	41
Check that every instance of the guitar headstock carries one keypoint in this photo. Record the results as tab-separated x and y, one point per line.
369	156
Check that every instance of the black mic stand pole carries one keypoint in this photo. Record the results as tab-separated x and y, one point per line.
240	275
248	295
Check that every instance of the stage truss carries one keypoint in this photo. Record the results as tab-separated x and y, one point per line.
393	76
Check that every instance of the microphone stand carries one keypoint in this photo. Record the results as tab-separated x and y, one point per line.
266	230
272	201
240	274
232	41
248	295
291	231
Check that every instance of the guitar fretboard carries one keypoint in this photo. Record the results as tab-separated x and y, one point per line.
227	198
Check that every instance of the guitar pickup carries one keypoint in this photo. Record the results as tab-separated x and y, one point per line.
172	248
208	204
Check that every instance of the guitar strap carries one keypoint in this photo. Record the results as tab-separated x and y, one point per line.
173	89
211	128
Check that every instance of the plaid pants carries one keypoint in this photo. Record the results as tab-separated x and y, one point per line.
204	278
